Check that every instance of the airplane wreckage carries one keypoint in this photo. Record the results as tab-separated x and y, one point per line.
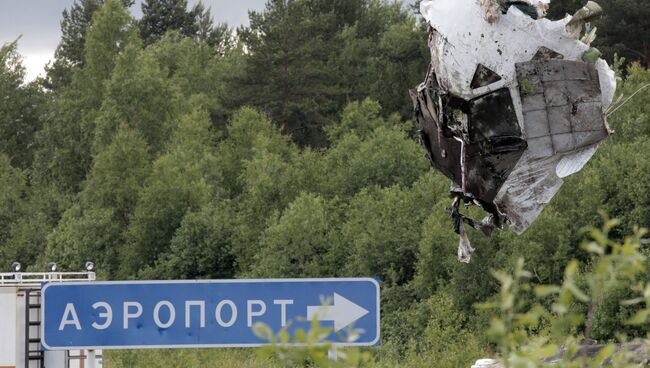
512	104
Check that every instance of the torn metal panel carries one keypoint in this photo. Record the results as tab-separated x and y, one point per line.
564	124
486	174
573	163
508	108
443	150
585	15
465	249
561	104
530	187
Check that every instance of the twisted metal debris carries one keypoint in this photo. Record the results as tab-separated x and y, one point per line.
512	104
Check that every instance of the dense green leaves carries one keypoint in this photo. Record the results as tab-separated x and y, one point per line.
93	228
64	154
289	42
201	246
70	52
86	234
140	96
21	109
182	180
160	16
12	182
112	30
117	175
318	55
305	235
625	30
382	231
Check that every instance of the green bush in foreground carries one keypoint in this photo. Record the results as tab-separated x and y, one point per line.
551	329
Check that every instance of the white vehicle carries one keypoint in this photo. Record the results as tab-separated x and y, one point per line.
20	322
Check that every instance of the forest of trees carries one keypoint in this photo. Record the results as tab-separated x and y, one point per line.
171	147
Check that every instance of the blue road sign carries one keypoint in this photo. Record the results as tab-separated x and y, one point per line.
219	313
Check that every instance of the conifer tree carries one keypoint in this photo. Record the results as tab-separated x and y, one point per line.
69	53
287	74
160	16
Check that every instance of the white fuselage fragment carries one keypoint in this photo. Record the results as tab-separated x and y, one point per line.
463	40
467	40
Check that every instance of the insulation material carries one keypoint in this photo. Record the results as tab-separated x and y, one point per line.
509	106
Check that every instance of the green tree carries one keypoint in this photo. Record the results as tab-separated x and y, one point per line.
112	30
196	70
269	185
21	111
201	246
13	185
41	212
437	246
64	156
382	56
69	54
625	31
549	327
360	118
385	158
183	179
382	232
92	234
289	42
401	56
160	16
424	330
118	174
364	48
305	235
243	133
93	228
140	95
264	172
218	37
629	198
630	116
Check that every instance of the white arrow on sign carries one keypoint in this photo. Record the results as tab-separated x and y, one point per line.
343	312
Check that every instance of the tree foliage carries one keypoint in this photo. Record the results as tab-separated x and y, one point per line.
69	53
162	16
308	79
21	111
13	184
64	154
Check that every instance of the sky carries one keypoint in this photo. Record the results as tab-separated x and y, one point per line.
38	21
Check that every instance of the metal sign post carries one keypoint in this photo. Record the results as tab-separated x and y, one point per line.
219	313
331	354
90	358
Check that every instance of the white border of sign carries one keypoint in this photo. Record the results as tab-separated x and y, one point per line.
236	281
